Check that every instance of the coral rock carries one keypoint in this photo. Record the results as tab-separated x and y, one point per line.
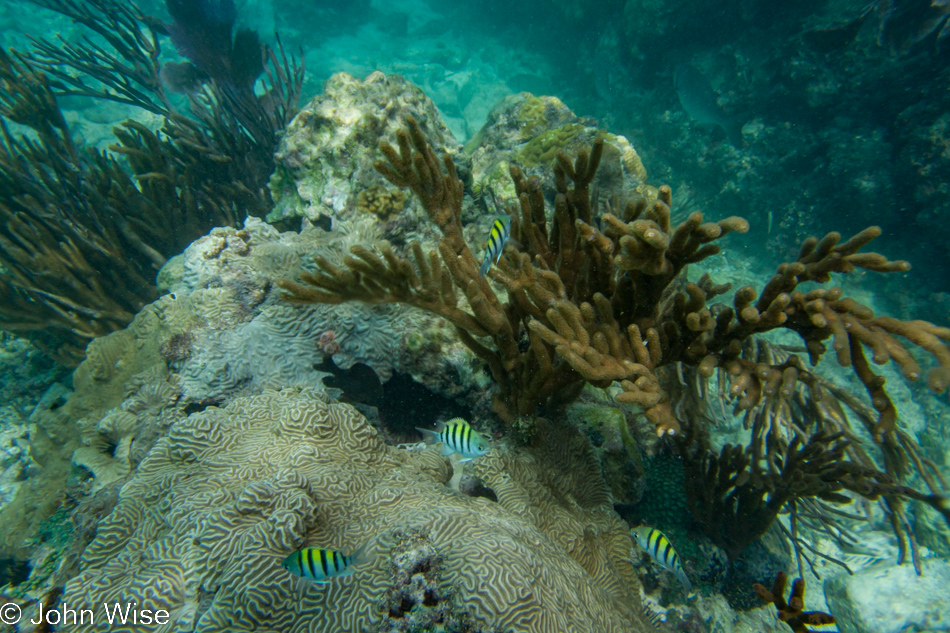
326	155
887	598
529	131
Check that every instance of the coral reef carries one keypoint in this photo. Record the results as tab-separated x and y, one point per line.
528	378
591	306
216	515
264	342
220	331
606	302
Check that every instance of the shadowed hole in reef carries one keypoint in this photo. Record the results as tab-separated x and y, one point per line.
13	571
404	607
407	404
201	405
401	404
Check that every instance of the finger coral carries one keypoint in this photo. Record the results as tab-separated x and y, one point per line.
201	528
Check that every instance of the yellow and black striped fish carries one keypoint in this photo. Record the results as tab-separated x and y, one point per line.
319	565
457	437
661	550
500	231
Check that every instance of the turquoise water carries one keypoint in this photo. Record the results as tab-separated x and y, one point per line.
240	257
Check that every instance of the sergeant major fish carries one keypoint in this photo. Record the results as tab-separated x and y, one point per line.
500	231
319	565
661	550
457	437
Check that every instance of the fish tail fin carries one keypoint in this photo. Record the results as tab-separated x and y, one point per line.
429	436
365	554
684	580
486	264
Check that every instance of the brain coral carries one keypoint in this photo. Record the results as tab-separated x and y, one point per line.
201	528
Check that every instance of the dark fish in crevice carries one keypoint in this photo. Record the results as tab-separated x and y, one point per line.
836	36
700	101
359	384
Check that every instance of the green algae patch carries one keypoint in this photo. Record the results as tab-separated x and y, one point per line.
542	149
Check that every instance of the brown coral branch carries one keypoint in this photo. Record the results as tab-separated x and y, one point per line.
792	612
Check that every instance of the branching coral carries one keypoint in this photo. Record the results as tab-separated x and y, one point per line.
601	305
793	611
560	269
368	277
803	458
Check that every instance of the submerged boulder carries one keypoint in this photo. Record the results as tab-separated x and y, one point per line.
890	598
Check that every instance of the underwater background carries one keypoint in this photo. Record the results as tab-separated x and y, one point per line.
487	317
